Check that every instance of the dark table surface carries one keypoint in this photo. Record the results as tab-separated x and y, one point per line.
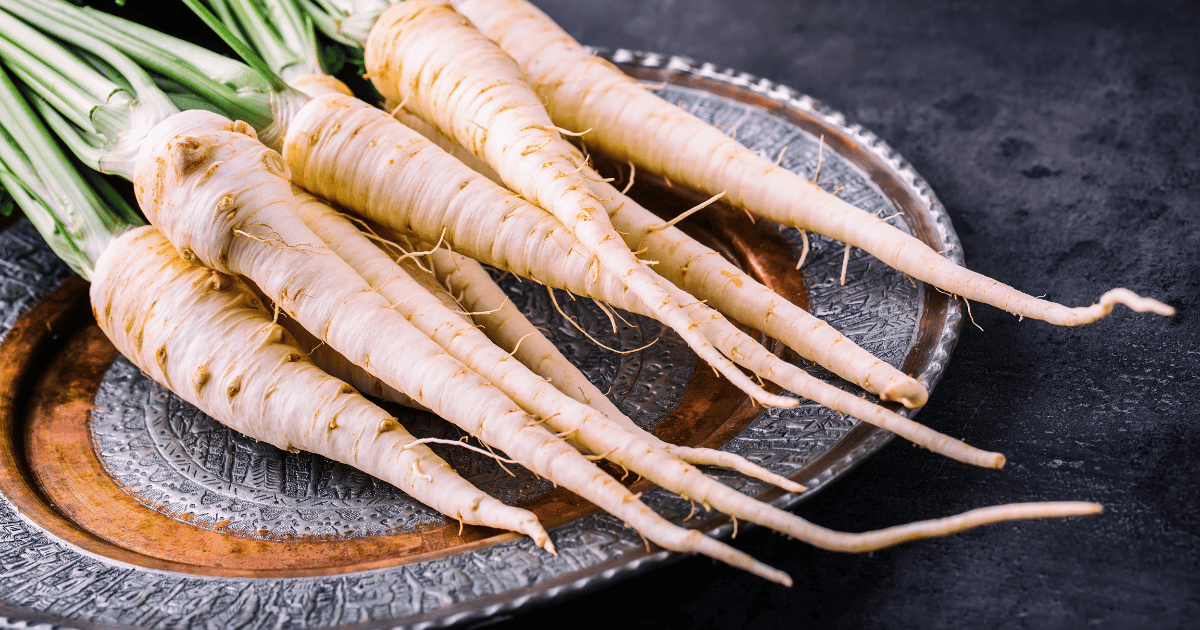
1064	139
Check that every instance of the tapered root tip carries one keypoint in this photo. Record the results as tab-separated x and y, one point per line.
778	481
909	393
540	537
696	542
790	486
768	573
713	457
1135	302
782	578
766	399
1089	314
891	536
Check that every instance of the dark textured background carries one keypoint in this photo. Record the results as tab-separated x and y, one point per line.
1063	139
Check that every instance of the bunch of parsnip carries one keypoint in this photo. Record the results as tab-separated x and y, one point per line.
218	190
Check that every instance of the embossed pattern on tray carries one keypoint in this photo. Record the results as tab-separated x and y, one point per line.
41	574
178	461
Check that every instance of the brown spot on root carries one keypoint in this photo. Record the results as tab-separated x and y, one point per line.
188	153
208	172
161	357
233	389
737	282
218	281
274	163
388	424
333	423
244	128
200	378
225	204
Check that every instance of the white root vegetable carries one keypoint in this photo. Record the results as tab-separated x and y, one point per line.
510	330
205	336
708	276
621	443
223	198
424	52
584	92
594	431
375	180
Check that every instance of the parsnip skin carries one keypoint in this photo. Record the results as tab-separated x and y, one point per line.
633	449
630	449
706	274
509	329
206	336
524	240
582	91
423	51
222	197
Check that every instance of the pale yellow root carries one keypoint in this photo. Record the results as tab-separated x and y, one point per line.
224	199
734	343
424	53
318	84
633	449
582	91
206	336
332	362
510	330
598	433
891	536
707	275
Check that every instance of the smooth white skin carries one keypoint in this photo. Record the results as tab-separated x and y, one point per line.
361	159
584	92
634	449
734	342
206	336
453	76
598	433
197	162
508	328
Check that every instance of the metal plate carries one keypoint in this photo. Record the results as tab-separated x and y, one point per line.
124	507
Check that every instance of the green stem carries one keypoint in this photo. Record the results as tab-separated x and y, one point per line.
246	99
240	47
79	217
346	21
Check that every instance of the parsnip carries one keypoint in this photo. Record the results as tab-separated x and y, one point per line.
510	330
582	91
706	274
630	449
423	52
206	337
374	180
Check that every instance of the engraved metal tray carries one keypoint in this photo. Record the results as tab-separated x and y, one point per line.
122	506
